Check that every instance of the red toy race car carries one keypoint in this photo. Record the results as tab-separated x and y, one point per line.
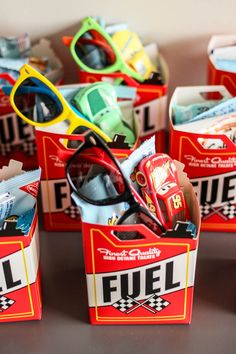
158	181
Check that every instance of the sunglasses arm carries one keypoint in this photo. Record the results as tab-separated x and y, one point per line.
130	72
67	40
7	78
77	120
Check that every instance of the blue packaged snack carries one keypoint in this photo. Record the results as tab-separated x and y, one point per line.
15	47
24	189
6	204
182	114
224	57
25	220
226	65
128	166
100	188
225	107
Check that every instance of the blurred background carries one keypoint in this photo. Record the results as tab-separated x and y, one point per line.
181	28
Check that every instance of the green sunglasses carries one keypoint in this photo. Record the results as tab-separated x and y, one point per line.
104	45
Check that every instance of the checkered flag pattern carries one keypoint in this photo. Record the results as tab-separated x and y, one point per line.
29	147
72	211
157	303
205	210
5	303
153	304
229	211
124	305
5	149
226	211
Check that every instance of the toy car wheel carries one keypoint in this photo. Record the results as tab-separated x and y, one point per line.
152	208
141	179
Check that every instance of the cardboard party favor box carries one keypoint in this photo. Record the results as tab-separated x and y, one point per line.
211	171
17	140
218	76
144	280
20	295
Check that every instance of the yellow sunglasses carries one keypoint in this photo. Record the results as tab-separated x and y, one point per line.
48	105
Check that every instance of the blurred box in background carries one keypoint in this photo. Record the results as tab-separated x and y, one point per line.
211	171
20	294
222	62
17	140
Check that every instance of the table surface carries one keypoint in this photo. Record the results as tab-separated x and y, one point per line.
65	326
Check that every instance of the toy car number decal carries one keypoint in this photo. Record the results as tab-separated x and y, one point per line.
177	202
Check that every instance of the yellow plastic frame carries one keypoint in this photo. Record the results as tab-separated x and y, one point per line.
27	72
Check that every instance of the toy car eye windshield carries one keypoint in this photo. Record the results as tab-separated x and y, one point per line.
96	102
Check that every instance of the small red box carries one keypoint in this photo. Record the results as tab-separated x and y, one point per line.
20	295
149	280
211	171
216	76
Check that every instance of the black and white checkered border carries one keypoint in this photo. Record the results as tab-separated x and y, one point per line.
155	303
5	149
228	210
29	147
72	211
124	305
205	210
5	303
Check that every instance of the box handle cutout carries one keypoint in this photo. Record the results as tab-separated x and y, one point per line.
128	235
214	95
210	143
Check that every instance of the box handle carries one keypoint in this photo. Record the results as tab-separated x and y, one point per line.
212	95
196	139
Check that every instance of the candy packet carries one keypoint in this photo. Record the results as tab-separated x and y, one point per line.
128	166
226	107
183	114
15	47
100	187
225	124
224	58
19	193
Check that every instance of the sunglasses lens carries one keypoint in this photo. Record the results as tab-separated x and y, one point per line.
95	176
94	51
45	105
